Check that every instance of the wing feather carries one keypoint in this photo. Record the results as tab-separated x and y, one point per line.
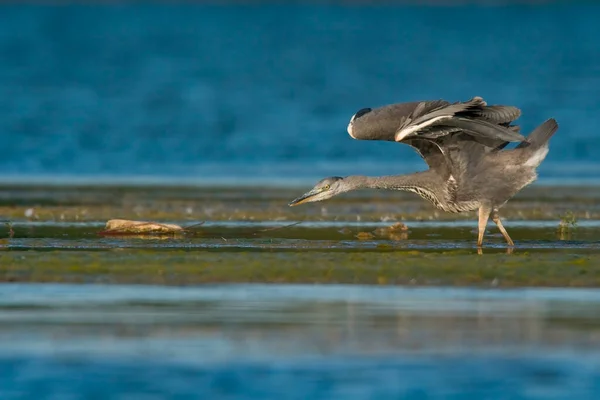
473	116
437	129
499	114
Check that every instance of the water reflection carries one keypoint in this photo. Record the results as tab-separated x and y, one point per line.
355	320
317	342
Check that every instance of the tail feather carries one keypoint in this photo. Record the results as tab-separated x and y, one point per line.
540	135
535	149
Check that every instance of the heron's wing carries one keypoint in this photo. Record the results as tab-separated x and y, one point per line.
473	117
476	108
384	121
454	150
465	130
423	116
416	109
431	153
478	129
498	114
449	155
431	126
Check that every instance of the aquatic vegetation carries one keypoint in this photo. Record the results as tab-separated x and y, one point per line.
397	231
568	223
266	204
364	236
389	267
568	220
11	231
252	236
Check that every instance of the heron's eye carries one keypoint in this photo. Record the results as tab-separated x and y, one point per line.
326	187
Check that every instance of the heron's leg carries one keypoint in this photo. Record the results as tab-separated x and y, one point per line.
484	216
496	219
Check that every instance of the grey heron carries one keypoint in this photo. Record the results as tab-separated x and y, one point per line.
463	144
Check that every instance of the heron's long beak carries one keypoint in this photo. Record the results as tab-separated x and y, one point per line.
305	197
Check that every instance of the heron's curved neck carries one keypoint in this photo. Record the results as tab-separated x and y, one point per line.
426	180
427	184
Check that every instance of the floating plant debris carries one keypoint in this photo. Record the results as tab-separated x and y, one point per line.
365	236
395	232
129	227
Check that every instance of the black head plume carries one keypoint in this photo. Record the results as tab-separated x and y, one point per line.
362	112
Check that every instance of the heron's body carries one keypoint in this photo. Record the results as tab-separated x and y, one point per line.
463	145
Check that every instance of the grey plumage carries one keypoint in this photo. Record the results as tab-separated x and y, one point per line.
430	119
463	145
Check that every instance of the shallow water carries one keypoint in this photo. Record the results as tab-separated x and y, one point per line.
426	254
271	341
251	235
319	235
73	326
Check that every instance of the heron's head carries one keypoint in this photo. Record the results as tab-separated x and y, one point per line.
355	117
323	190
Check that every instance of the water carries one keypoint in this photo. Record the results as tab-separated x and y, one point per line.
318	236
270	341
251	93
177	339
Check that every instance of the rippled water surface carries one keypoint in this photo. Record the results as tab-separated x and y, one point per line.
274	341
85	314
271	341
323	235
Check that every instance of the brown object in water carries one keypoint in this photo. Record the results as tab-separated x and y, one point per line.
128	227
364	236
397	231
398	227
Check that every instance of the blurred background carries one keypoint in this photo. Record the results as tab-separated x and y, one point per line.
204	91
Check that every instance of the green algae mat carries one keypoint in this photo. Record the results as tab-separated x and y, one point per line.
248	234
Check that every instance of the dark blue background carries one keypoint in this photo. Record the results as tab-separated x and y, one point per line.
261	92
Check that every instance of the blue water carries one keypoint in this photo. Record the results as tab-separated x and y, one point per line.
260	92
297	342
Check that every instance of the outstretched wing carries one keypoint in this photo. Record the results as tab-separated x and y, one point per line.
431	153
454	134
436	128
473	117
382	123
